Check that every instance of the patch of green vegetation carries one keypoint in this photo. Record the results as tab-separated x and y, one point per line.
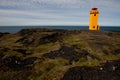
85	62
50	69
54	69
102	56
12	53
74	40
9	40
55	74
81	44
46	48
109	57
71	39
14	75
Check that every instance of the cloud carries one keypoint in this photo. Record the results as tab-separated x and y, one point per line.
56	11
42	15
58	3
22	21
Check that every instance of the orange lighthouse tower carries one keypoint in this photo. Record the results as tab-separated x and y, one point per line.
94	14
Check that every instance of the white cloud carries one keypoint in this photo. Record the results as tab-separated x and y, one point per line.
41	14
55	11
21	21
44	4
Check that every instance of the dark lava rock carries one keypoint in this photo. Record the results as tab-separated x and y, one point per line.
110	34
36	40
64	52
102	44
16	63
2	34
2	51
116	52
26	40
112	66
29	61
108	71
27	32
68	53
106	52
23	51
36	37
50	38
113	33
13	62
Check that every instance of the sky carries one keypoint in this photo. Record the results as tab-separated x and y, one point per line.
57	12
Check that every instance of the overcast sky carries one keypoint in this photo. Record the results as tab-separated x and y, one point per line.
57	12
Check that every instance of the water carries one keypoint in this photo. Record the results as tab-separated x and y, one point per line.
15	29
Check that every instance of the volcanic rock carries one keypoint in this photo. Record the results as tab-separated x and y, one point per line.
108	71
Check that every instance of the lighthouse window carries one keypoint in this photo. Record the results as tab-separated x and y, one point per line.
94	14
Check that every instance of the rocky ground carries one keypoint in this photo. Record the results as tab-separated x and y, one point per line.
54	54
108	71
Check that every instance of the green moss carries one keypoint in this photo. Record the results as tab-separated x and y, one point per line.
54	69
9	41
46	48
49	69
12	53
109	57
85	62
55	74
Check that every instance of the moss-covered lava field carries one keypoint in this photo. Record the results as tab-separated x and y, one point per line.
54	54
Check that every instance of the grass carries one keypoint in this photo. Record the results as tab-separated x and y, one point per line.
54	69
50	69
9	41
109	57
74	40
45	48
55	74
14	75
12	53
85	62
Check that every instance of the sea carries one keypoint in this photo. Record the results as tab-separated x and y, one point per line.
15	29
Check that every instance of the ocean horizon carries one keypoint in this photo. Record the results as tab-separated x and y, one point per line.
15	29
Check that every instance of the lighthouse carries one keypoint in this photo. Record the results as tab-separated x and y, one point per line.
94	14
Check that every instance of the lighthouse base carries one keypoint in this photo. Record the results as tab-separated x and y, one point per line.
94	27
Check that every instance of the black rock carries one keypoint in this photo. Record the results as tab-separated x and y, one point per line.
16	63
108	71
69	53
2	34
116	52
23	51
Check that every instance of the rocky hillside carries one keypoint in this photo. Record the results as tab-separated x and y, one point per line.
54	54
